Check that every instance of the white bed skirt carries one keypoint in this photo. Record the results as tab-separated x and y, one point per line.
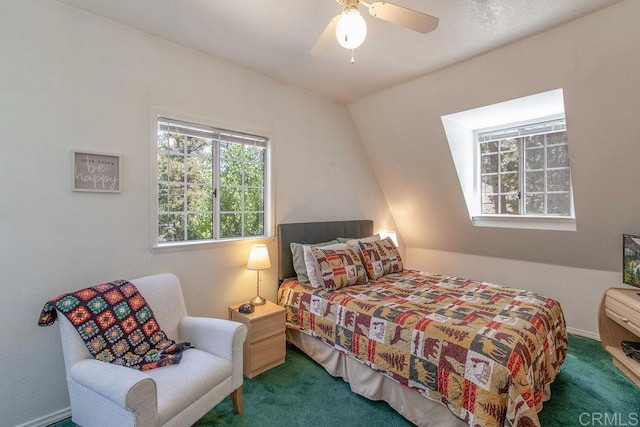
375	386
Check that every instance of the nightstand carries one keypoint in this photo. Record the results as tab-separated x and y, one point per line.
265	346
619	320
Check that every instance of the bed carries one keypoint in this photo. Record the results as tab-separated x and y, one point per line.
442	351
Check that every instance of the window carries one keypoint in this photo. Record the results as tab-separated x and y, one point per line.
211	183
524	170
512	161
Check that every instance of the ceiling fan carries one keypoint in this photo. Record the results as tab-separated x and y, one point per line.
350	29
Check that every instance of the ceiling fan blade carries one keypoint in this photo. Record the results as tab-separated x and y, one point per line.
327	38
412	19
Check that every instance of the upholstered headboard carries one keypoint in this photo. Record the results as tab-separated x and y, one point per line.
314	232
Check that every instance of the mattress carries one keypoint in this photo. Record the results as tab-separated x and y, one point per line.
486	352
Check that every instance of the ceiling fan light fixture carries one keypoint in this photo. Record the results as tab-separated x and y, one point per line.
351	29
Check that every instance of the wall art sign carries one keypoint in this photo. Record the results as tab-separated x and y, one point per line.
95	172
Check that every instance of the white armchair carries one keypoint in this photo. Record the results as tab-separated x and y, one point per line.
104	394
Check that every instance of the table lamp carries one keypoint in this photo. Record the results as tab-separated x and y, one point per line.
258	260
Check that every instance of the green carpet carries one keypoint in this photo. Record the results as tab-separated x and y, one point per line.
589	391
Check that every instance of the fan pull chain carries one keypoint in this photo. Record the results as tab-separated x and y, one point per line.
353	60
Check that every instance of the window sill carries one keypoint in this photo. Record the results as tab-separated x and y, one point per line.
206	244
554	223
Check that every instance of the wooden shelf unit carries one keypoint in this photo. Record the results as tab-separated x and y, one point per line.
619	320
265	346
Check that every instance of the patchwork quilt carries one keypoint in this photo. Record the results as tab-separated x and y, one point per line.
117	325
485	351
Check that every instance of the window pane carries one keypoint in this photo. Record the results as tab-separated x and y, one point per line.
254	224
230	150
489	147
509	204
535	203
199	168
558	204
558	180
230	225
230	172
253	199
558	156
510	182
199	198
230	199
509	161
508	144
534	181
170	197
170	227
197	146
489	204
176	169
170	143
557	138
254	174
254	154
199	226
490	163
489	184
534	158
534	141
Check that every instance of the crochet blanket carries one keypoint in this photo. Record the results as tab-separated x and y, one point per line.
117	326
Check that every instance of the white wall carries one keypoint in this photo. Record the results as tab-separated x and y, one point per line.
595	60
69	80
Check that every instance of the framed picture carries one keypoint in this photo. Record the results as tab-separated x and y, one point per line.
631	260
95	172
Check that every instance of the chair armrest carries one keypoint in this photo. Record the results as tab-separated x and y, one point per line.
221	337
129	388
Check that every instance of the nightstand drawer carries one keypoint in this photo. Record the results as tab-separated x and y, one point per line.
267	326
266	354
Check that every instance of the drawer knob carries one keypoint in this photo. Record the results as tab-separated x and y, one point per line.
624	319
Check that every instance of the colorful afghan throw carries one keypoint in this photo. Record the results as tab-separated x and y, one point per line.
117	326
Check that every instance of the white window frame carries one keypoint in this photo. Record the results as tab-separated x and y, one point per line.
160	247
554	124
461	129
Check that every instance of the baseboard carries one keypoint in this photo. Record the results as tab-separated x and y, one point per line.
586	334
48	419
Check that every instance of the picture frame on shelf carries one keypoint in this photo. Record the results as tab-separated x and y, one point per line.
95	172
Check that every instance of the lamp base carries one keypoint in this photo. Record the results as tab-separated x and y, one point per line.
258	300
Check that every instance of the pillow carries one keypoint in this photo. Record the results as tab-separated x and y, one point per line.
380	258
297	252
310	262
351	240
338	268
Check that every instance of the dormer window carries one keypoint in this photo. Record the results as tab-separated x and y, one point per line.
512	160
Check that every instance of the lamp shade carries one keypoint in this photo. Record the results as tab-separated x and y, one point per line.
351	29
258	258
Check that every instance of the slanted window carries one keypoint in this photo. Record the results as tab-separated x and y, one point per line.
211	183
524	170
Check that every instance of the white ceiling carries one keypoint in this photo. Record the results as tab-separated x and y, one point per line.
274	37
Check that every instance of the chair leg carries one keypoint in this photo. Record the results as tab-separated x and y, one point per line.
236	399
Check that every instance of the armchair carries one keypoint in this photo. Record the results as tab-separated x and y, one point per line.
104	394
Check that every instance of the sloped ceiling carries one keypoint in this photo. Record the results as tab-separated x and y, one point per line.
275	37
594	60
